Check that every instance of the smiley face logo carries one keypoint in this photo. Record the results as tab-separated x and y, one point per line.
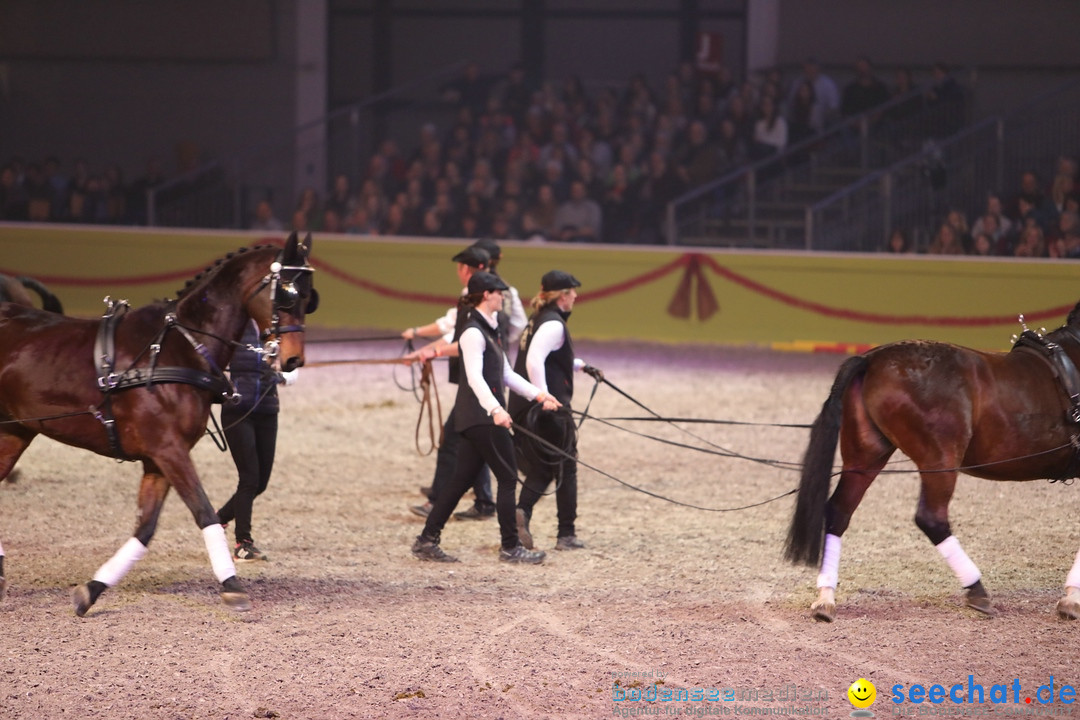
862	693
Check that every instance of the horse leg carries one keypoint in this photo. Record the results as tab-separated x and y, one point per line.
181	473
152	491
11	447
1068	607
932	517
838	510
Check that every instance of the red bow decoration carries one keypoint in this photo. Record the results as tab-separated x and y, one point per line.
680	305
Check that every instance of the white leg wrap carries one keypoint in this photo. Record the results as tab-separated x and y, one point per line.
1	551
218	548
830	563
120	564
1071	580
958	560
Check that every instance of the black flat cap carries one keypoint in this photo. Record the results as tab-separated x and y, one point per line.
558	280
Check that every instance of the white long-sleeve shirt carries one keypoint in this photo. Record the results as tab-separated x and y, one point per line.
518	319
471	345
547	338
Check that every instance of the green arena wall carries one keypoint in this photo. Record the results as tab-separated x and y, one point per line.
797	301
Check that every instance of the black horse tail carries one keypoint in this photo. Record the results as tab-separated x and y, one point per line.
48	301
807	531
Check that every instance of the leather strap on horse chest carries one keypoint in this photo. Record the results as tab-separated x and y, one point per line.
1064	369
1060	364
109	381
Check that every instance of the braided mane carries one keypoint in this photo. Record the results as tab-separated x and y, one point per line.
211	269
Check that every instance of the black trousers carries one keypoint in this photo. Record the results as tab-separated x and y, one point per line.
446	463
480	444
252	442
538	476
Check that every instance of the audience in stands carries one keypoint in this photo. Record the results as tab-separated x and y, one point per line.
558	162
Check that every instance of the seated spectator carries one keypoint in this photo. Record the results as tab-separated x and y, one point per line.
265	219
619	207
538	221
331	221
944	103
38	193
1067	226
826	93
958	221
802	119
770	131
946	241
1032	243
341	199
983	245
1031	194
698	160
660	185
865	92
470	90
993	220
898	243
1063	195
586	173
578	219
731	146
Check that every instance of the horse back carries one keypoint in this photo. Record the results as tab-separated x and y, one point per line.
941	403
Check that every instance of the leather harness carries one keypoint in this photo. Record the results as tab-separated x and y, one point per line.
110	381
1064	370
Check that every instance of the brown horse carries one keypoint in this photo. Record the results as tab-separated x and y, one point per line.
1000	416
14	289
148	377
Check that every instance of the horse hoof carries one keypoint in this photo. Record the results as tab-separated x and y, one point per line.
237	601
1068	608
80	595
824	612
234	595
981	604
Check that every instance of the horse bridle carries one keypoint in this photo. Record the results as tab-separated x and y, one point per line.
284	295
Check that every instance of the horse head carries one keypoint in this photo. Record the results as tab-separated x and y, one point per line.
291	296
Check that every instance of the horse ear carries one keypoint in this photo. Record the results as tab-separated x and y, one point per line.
291	251
305	247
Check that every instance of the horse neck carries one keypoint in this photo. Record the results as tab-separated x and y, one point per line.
217	305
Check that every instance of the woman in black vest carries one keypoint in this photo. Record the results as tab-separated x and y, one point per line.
484	423
547	358
251	432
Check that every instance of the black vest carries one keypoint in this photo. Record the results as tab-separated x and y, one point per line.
558	366
467	409
453	366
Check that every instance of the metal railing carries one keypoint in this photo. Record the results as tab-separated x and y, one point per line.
762	204
224	193
916	193
343	139
203	197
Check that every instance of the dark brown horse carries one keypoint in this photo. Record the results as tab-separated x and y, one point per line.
1000	416
14	289
138	385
